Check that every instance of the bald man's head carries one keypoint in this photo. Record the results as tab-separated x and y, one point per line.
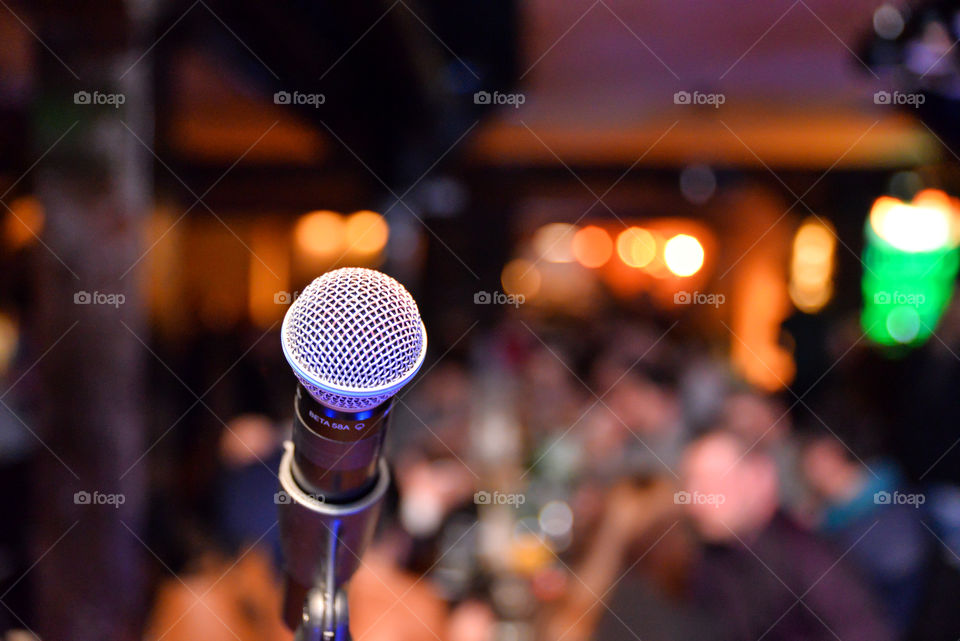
731	488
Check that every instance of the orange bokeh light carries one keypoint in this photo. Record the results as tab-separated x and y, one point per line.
592	246
637	247
24	221
320	234
683	255
367	232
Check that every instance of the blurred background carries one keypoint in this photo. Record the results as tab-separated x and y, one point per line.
687	270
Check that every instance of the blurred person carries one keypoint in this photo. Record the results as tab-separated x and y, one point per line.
220	599
636	429
757	418
388	603
229	586
938	618
703	381
760	574
250	449
233	589
432	415
887	539
762	420
472	620
238	599
612	595
429	491
551	395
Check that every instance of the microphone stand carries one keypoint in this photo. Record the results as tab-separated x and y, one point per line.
322	544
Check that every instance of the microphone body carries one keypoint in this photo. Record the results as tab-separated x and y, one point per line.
336	452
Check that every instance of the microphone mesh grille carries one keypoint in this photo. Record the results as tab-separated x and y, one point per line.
357	329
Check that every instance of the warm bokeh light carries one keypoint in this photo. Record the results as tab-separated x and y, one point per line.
812	265
810	301
592	246
759	304
924	225
520	277
553	242
268	293
9	339
683	255
165	274
636	247
367	232
321	234
528	553
211	250
24	221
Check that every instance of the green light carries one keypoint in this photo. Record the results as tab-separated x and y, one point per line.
904	292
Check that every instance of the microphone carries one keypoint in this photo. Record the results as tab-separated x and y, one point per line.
353	338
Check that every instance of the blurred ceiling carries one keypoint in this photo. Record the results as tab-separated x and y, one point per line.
216	118
599	78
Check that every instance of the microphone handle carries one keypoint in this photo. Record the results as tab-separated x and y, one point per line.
336	453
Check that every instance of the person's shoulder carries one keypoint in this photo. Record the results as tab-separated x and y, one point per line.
784	531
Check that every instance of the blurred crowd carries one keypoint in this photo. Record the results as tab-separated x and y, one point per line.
566	481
